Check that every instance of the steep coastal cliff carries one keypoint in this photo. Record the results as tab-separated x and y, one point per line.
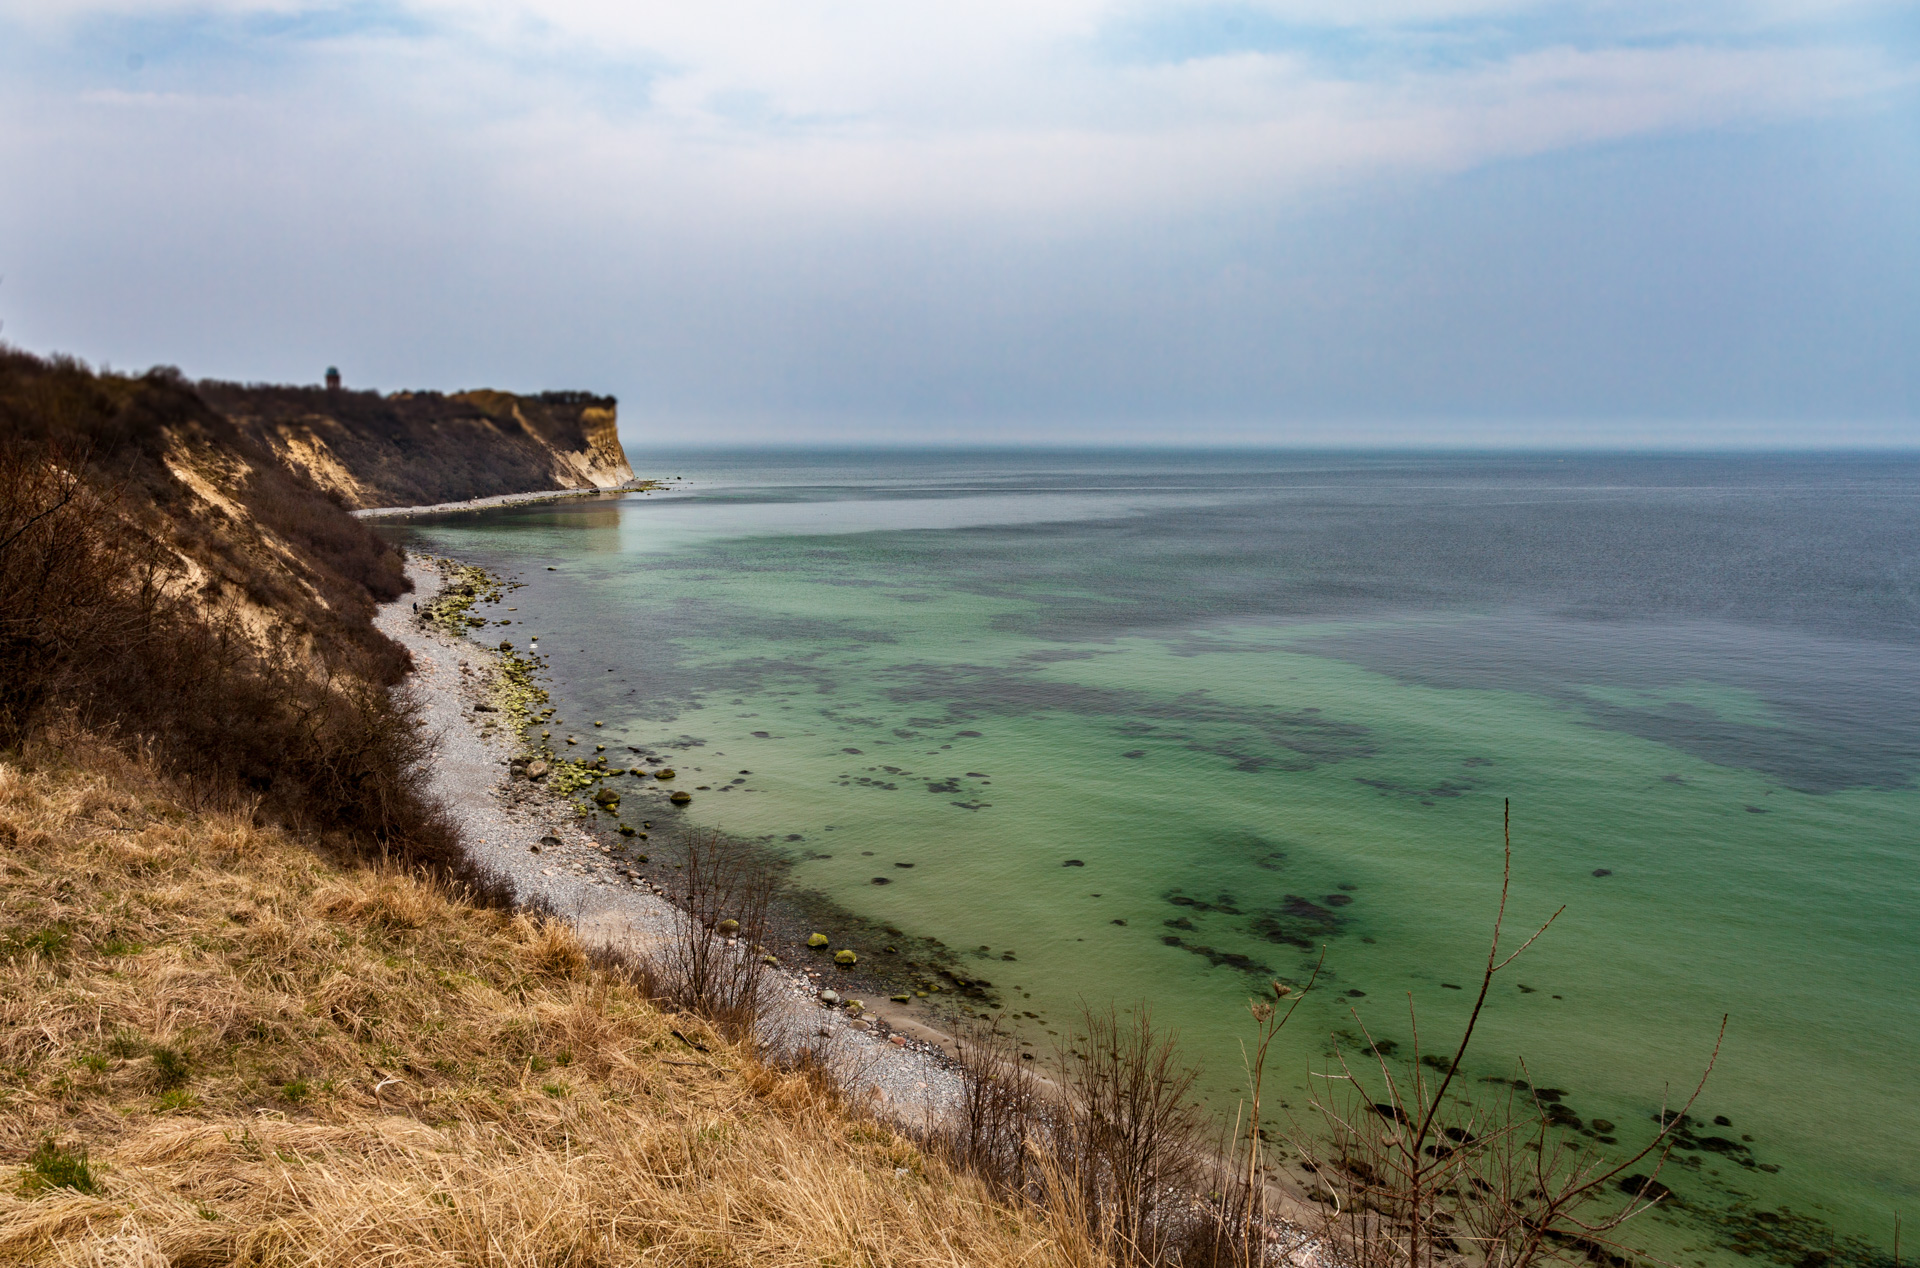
420	448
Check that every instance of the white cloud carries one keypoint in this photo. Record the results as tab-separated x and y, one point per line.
900	201
743	110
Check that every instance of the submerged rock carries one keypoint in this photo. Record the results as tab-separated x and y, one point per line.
817	940
845	957
681	798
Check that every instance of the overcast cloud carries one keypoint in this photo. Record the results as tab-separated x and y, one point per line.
1278	221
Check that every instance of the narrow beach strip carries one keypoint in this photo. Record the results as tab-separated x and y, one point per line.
506	499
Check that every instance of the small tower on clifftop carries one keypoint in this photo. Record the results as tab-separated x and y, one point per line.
333	378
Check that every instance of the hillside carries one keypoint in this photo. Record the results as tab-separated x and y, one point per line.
168	583
421	448
222	1049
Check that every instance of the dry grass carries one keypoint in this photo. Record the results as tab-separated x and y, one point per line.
272	1061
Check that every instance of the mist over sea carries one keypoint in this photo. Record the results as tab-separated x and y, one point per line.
1271	702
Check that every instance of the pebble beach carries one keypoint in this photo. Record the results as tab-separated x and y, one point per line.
535	839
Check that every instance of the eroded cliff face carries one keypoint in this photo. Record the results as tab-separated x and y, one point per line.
422	448
206	516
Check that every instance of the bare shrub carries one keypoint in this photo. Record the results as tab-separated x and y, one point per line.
711	964
65	592
1128	1142
1415	1175
1111	1152
1001	1112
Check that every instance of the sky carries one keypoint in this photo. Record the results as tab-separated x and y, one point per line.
1316	222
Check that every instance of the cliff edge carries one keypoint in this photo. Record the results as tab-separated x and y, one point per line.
421	448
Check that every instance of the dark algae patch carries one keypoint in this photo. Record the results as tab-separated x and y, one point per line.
1300	922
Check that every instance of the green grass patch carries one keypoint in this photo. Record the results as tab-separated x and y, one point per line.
170	1067
54	1166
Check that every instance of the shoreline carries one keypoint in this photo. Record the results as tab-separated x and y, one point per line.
505	499
535	839
888	1054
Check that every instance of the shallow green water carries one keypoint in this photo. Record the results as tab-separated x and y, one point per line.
1273	704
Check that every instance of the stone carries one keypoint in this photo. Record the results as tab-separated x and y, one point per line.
727	928
901	999
681	798
771	961
537	769
829	998
1645	1187
845	956
484	707
626	829
665	772
861	1025
898	1041
1073	863
607	799
551	841
817	940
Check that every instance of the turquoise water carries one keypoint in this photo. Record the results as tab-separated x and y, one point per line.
1273	703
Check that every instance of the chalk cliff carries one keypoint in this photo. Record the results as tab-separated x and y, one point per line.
420	448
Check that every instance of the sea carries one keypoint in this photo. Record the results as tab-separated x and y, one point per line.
1156	728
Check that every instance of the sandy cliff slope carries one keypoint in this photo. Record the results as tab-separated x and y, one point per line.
421	448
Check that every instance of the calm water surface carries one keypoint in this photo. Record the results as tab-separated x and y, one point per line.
1273	702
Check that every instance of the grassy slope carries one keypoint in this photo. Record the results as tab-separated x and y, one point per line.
273	1060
